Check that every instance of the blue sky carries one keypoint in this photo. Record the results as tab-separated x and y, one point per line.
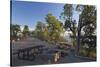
29	13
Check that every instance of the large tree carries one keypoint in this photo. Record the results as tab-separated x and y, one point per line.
55	27
87	23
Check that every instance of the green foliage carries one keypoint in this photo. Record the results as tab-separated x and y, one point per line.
84	52
55	27
26	31
69	22
41	31
88	14
50	31
68	11
71	25
87	23
15	29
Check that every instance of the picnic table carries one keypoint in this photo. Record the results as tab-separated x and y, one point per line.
30	52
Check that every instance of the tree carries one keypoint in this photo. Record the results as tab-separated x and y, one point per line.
26	31
87	22
15	30
67	14
55	27
41	31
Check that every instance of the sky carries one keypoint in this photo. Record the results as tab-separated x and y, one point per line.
29	13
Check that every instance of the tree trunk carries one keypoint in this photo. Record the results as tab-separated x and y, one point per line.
78	39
